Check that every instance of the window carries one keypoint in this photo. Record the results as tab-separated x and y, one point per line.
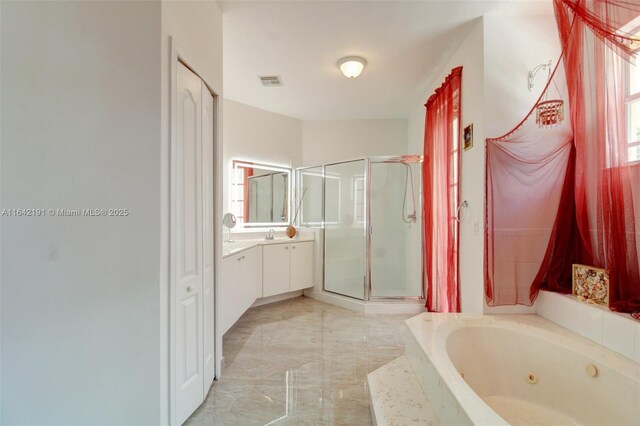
632	102
454	150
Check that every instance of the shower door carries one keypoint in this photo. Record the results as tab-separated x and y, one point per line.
395	230
344	228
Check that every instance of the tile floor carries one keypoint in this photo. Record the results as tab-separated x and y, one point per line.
300	362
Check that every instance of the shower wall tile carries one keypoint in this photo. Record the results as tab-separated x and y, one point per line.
618	332
637	351
586	320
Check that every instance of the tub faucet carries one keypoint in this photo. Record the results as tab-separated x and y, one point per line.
269	235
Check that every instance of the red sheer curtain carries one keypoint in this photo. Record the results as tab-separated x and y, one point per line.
573	195
441	195
598	43
529	194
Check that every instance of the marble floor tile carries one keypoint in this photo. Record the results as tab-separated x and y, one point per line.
300	362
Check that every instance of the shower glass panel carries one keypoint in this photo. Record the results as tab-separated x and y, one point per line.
310	192
344	232
395	228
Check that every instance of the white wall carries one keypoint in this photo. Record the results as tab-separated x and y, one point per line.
327	141
513	45
81	129
470	56
89	127
415	130
0	220
261	136
495	58
195	28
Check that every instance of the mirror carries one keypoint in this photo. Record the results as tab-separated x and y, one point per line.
260	194
229	220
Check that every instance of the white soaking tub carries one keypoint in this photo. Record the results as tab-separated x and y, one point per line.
521	370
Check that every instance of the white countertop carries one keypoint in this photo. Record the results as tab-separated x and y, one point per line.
229	249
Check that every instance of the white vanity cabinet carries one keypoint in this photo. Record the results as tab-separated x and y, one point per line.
241	284
287	267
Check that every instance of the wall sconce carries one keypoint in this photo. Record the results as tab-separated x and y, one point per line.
533	72
549	112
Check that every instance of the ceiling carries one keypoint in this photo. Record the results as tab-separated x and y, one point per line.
406	45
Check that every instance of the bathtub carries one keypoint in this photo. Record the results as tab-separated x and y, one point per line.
519	369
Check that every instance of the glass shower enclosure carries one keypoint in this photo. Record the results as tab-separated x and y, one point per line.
371	212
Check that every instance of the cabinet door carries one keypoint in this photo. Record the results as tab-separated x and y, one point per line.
251	272
247	290
275	269
228	291
301	266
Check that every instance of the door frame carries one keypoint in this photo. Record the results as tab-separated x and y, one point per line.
168	372
394	159
365	227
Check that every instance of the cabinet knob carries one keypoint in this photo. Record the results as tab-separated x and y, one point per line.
293	247
189	288
286	247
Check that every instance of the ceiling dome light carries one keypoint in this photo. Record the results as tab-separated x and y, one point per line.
351	66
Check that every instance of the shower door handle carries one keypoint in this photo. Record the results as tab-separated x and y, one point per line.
464	204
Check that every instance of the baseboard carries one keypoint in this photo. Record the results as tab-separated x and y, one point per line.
277	298
337	300
390	308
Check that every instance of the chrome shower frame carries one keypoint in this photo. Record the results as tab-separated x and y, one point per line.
367	278
365	227
398	159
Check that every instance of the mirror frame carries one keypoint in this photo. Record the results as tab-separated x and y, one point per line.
235	162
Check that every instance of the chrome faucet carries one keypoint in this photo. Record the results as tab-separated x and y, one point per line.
269	235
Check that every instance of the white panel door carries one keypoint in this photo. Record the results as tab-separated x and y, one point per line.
275	269
301	266
207	241
188	245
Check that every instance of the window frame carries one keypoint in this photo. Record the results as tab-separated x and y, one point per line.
630	99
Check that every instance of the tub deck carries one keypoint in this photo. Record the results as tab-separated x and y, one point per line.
425	387
396	397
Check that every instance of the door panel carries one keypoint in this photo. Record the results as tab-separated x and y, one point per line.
344	233
395	211
275	274
251	275
207	244
188	228
190	332
301	266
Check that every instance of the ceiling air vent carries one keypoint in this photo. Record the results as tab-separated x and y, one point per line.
270	80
